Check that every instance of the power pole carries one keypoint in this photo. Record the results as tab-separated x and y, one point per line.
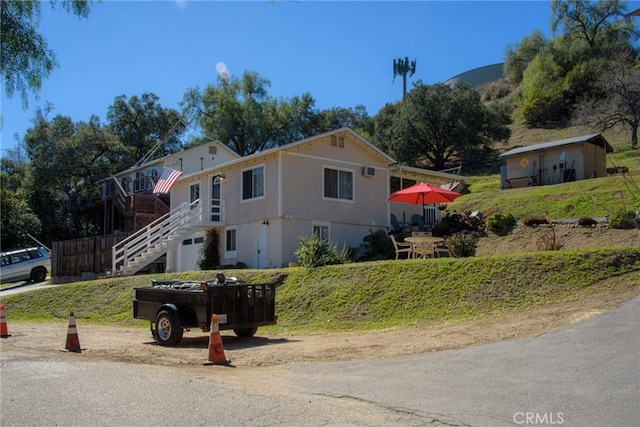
402	67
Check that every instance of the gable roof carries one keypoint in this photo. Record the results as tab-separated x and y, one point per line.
366	144
271	151
595	138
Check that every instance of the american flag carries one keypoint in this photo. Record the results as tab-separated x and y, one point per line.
166	181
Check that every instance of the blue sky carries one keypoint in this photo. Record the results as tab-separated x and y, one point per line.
340	52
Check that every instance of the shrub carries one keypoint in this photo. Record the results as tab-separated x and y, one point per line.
532	221
455	223
462	245
624	220
377	245
500	222
210	259
548	242
316	252
585	221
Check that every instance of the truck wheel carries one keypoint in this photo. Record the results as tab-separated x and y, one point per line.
245	332
168	333
39	274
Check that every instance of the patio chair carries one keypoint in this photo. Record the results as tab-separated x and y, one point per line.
423	250
401	247
441	249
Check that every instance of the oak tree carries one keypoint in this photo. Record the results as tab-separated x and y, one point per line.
26	57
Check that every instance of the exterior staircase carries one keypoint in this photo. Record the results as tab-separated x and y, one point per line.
147	244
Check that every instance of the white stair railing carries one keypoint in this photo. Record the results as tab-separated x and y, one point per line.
138	250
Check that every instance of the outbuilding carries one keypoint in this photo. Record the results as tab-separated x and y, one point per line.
555	162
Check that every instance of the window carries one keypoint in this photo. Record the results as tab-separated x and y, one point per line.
253	183
321	229
187	242
198	240
34	253
138	182
338	184
397	184
230	245
194	194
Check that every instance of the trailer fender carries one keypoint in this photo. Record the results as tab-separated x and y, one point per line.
175	310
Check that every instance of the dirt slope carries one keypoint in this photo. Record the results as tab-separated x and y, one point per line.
523	239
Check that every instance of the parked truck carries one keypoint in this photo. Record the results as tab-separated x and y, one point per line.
173	306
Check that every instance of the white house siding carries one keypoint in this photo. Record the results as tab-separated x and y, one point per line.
200	158
303	191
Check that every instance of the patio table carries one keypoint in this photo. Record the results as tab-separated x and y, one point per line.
422	246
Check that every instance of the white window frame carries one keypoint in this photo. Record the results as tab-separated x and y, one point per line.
216	204
353	184
253	189
233	253
321	225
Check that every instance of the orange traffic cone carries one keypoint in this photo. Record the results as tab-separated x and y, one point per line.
216	349
73	343
4	331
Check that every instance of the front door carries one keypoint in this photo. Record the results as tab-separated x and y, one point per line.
262	246
215	199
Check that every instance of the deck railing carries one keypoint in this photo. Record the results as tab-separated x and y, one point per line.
150	242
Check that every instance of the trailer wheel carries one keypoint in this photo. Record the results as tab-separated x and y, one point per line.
245	332
168	333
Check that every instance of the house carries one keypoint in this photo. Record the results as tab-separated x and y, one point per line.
334	185
125	204
555	162
127	199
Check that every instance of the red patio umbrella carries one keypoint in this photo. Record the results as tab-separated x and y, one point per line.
421	194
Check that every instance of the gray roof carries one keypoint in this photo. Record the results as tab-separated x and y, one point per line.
595	138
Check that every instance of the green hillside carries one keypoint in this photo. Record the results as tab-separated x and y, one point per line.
590	198
371	295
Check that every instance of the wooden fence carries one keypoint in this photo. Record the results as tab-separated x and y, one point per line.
89	255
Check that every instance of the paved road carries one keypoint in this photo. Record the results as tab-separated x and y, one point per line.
50	390
586	374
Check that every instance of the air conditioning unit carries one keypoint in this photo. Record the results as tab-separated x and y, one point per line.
368	171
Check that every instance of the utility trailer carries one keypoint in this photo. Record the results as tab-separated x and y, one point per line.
173	306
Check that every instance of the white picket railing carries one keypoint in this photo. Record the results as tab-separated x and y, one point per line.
147	244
